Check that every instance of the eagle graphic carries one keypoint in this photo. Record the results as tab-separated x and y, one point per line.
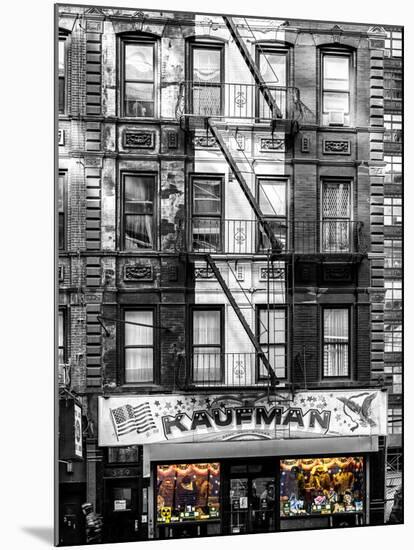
361	413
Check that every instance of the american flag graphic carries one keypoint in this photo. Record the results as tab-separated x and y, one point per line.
129	419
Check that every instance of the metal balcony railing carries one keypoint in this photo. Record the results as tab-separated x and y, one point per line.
236	100
231	370
236	236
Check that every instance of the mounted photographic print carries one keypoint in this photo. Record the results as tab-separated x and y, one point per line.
229	269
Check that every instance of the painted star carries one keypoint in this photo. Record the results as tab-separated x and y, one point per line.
193	400
179	402
303	401
338	417
156	415
157	403
168	405
223	405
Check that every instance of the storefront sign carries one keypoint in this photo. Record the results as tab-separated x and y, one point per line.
78	430
119	505
131	420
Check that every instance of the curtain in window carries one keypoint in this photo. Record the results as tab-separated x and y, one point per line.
139	347
206	346
139	211
336	340
207	81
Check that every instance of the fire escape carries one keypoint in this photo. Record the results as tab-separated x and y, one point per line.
221	111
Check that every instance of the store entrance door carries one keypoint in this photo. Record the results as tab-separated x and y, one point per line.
121	521
252	504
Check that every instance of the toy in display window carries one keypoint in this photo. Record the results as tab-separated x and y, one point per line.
321	486
188	492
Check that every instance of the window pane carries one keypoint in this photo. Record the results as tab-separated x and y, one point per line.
207	364
139	194
207	64
188	492
136	334
139	62
61	94
206	327
321	486
139	99
138	232
272	197
207	100
336	73
335	102
273	67
206	234
277	325
335	325
206	196
277	360
336	200
138	365
61	57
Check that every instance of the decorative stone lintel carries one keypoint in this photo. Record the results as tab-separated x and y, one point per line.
134	139
276	144
138	272
336	147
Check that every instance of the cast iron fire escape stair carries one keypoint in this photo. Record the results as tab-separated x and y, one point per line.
215	130
261	84
242	319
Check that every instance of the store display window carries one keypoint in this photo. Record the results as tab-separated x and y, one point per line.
321	486
188	492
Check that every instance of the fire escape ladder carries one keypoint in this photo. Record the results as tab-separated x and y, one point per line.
253	68
216	131
242	319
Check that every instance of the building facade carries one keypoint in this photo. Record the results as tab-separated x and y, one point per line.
229	212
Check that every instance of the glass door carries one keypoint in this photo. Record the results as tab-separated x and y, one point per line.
252	505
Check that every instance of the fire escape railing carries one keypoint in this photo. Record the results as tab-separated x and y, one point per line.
246	237
237	100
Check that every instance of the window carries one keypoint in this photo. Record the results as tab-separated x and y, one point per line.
61	337
207	345
393	337
61	199
207	212
336	217
139	346
393	169
393	253
393	128
393	44
395	370
138	211
336	88
124	454
206	76
335	342
272	194
392	210
62	46
394	421
273	65
321	486
393	294
393	85
188	492
273	340
139	78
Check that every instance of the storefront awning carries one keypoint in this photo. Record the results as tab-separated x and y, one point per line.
259	448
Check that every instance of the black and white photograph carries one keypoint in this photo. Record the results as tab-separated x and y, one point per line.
229	271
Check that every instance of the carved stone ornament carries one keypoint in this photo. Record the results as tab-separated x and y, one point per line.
272	274
269	144
137	272
338	147
172	140
134	139
333	273
205	142
203	273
